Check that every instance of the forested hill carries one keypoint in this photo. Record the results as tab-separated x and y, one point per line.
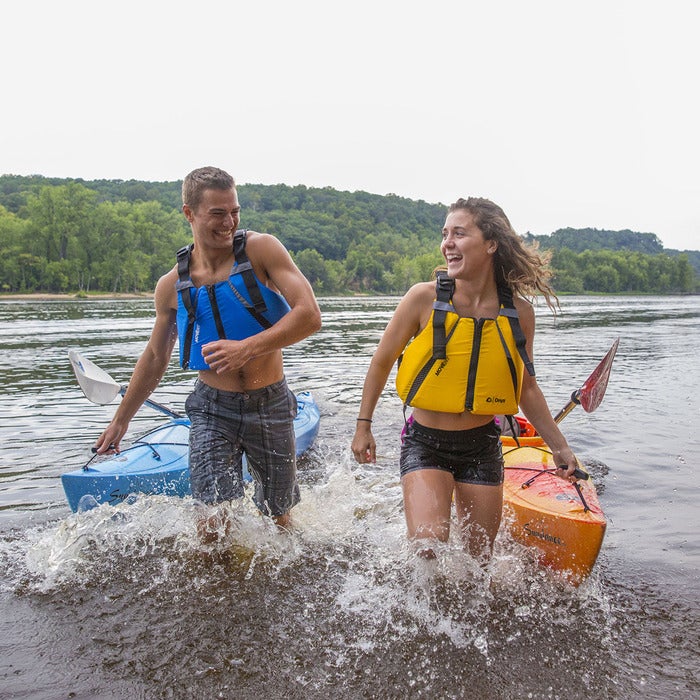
324	219
580	239
112	235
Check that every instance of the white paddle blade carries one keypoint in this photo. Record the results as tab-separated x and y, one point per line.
96	384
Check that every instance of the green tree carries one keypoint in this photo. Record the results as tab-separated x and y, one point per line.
60	217
12	241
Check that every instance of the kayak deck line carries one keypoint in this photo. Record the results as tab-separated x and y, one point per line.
539	472
560	521
157	462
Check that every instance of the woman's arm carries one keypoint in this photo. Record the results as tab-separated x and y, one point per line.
534	405
409	316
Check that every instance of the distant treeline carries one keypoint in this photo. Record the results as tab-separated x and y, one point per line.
60	235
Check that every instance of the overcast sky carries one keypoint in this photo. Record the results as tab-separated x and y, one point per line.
580	114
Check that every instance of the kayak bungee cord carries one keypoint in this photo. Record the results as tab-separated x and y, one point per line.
579	473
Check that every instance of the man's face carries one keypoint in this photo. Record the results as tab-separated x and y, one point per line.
215	219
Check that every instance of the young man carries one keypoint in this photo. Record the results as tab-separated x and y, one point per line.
234	300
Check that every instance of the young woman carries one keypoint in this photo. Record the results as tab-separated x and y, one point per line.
465	344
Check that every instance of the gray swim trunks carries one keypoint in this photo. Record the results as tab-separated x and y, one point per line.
259	423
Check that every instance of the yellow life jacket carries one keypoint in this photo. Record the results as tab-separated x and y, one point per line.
458	364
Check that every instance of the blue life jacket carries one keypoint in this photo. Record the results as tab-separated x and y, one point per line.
233	309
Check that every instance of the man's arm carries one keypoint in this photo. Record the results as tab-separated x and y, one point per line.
150	367
303	319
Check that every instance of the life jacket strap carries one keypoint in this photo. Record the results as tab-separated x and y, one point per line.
243	266
214	303
508	310
183	286
249	308
444	289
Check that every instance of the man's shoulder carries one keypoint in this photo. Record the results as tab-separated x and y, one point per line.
257	238
165	288
264	248
170	276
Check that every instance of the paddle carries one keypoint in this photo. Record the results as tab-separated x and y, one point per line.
100	388
590	396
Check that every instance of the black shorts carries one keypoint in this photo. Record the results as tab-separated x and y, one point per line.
471	456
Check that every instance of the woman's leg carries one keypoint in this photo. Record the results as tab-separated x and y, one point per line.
479	509
427	499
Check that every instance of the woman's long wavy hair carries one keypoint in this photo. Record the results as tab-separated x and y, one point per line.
516	265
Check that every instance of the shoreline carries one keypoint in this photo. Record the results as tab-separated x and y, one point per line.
45	296
76	296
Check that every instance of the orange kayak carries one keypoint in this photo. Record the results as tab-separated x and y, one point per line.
564	523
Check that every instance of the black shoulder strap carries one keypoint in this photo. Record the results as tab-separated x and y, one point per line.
505	297
183	286
244	267
444	289
183	263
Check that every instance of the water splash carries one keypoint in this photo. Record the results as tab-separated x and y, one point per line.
348	603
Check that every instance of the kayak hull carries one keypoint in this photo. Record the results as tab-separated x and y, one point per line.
564	524
157	463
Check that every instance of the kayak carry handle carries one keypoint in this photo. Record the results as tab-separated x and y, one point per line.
94	449
578	473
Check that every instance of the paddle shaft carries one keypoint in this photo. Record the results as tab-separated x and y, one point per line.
574	401
155	405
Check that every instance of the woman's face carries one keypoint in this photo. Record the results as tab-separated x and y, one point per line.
463	244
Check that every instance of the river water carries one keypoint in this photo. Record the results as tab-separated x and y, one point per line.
125	602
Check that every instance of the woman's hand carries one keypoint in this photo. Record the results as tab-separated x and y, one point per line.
363	447
566	463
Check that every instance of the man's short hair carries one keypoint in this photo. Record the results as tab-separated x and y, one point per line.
201	179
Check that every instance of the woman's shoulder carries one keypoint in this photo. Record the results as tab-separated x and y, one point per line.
521	302
525	309
422	290
415	305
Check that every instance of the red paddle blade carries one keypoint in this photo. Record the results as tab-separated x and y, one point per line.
591	393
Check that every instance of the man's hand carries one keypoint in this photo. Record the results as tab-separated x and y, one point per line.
226	355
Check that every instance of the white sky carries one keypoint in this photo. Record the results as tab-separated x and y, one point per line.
565	113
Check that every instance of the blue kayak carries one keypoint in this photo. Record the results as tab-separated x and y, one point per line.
157	463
